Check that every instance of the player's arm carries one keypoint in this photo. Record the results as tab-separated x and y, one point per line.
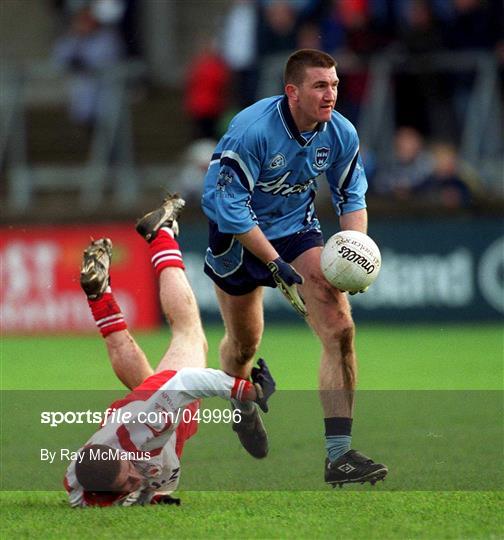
256	242
348	182
355	221
284	274
239	167
190	384
74	490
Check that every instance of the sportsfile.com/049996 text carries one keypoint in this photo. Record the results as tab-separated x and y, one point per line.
119	416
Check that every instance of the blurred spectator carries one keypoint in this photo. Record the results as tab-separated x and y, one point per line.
309	36
347	25
419	32
474	26
410	166
362	40
386	15
129	28
277	38
471	26
446	185
91	46
348	31
333	34
362	36
193	169
207	90
239	50
277	27
420	36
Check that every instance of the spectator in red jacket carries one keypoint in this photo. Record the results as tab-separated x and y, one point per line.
206	92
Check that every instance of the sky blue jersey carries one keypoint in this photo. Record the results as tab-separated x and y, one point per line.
264	171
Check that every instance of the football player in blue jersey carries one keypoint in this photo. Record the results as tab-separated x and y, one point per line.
259	197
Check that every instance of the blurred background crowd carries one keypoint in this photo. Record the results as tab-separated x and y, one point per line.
106	103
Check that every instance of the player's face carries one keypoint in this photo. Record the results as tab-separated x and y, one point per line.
128	479
316	97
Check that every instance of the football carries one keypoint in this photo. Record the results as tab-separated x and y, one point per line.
350	261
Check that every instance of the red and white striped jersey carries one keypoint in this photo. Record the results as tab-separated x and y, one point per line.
151	425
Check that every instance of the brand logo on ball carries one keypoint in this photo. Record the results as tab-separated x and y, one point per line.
350	261
357	258
321	156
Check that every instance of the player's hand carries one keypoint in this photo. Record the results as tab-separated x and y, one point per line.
358	292
287	280
164	499
264	384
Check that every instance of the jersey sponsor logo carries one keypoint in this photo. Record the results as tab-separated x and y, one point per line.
279	186
277	162
321	156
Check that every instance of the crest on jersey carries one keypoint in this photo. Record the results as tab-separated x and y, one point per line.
321	156
277	161
223	180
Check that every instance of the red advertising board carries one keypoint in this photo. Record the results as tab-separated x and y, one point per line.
39	278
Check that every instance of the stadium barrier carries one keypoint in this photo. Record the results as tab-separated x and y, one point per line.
435	270
40	290
432	270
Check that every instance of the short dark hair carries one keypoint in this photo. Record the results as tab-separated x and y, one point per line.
95	470
304	58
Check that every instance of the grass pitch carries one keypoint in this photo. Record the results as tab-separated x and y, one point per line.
393	360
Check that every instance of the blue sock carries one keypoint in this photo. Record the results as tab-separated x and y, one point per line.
338	436
337	445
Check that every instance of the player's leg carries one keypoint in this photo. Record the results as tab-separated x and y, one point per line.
239	277
331	319
188	345
243	322
126	357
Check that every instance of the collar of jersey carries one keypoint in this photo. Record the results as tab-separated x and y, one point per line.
290	125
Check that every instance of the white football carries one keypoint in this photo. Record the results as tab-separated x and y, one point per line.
350	261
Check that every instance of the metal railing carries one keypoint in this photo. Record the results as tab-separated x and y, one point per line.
482	122
111	154
111	158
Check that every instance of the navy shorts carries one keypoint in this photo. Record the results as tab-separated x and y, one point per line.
236	271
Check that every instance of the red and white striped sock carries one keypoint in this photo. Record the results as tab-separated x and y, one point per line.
107	314
241	388
165	251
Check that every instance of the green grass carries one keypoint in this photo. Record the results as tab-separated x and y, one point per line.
390	357
407	411
258	515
